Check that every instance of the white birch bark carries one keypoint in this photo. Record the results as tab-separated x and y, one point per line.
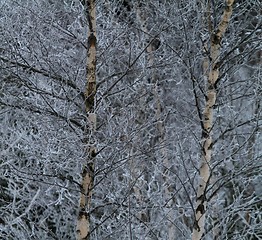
83	223
204	170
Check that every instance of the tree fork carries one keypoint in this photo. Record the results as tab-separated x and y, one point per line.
83	221
212	78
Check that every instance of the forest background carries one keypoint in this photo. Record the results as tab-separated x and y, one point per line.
148	113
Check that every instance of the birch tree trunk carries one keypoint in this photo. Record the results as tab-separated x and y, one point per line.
83	223
160	128
143	214
212	68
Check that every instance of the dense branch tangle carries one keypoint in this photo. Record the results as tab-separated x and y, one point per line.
83	223
211	68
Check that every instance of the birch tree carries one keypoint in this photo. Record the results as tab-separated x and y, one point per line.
83	225
103	128
41	116
212	71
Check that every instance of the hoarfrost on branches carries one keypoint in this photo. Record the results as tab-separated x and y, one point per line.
149	102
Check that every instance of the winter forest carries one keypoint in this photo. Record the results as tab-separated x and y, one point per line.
130	120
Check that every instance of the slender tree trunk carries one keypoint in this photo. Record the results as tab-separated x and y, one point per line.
160	129
83	223
204	171
143	214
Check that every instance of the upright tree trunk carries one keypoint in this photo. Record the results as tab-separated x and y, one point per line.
160	128
213	72
83	223
143	215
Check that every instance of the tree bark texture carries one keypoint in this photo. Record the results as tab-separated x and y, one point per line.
83	222
212	68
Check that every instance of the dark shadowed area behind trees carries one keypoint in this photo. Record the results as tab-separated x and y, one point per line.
174	103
